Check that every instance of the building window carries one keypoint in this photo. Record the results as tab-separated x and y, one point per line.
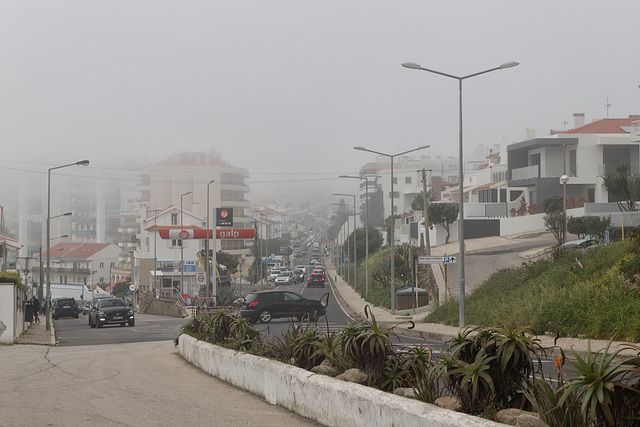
407	180
176	243
591	195
102	265
395	179
102	280
395	209
174	219
113	264
396	194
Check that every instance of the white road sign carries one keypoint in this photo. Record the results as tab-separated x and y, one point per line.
436	260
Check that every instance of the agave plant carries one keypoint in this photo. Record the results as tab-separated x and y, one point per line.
242	336
609	391
475	387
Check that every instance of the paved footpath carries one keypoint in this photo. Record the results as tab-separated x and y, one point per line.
137	384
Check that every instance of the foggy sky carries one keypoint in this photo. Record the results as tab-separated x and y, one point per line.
292	86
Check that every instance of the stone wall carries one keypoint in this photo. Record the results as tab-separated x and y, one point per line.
165	308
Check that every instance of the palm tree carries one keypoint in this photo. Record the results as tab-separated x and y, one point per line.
617	186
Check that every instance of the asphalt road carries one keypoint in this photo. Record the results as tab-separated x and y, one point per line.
74	332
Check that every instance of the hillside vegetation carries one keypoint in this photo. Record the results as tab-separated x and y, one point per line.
594	293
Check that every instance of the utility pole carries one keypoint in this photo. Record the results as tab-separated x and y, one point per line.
426	248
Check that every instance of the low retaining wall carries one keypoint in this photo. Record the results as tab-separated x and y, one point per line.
166	308
321	398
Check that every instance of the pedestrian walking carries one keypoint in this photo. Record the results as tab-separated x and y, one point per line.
36	308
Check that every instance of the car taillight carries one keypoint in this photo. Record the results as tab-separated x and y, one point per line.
323	279
253	304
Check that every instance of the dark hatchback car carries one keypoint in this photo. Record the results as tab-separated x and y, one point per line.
266	305
109	311
316	279
64	307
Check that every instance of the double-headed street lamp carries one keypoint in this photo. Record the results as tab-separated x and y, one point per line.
393	222
355	228
414	66
79	163
207	272
182	245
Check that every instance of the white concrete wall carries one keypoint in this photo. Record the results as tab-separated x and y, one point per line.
11	319
324	399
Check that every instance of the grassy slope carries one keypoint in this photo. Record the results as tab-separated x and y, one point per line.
599	300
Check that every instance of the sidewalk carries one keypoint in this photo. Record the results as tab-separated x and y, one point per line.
354	305
37	334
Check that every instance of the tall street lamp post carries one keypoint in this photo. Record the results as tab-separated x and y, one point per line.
366	229
564	179
182	245
79	163
207	272
415	66
393	222
348	238
355	228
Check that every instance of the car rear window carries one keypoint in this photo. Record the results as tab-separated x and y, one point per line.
250	298
68	301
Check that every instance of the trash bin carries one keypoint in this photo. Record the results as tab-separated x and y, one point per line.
406	298
28	311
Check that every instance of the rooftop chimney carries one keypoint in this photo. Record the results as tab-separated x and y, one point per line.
578	120
531	134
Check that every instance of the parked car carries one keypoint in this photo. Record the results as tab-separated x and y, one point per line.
316	279
285	278
107	311
266	305
64	307
580	244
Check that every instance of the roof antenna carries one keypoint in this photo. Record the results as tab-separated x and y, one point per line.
607	105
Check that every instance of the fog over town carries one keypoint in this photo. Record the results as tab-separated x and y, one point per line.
285	89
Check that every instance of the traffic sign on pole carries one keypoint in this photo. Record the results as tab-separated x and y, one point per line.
436	260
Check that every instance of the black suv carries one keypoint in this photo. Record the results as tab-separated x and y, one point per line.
109	311
266	305
316	279
64	307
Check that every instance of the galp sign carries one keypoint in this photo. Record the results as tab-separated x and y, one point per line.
175	234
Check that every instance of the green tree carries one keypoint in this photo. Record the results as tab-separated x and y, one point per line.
577	226
418	201
552	204
443	214
228	260
375	242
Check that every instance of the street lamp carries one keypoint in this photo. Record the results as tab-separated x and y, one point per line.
414	66
355	228
393	221
366	229
348	238
182	245
79	163
564	179
207	272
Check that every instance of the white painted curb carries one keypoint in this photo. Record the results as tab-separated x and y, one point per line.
321	398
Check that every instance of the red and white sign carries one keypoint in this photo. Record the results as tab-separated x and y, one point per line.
224	213
175	234
200	278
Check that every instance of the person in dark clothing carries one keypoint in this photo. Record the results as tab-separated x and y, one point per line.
36	308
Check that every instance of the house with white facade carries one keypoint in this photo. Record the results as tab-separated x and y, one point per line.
584	154
78	267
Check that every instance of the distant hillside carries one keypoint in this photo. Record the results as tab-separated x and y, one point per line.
595	293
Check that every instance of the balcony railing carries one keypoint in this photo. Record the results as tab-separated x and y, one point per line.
528	172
